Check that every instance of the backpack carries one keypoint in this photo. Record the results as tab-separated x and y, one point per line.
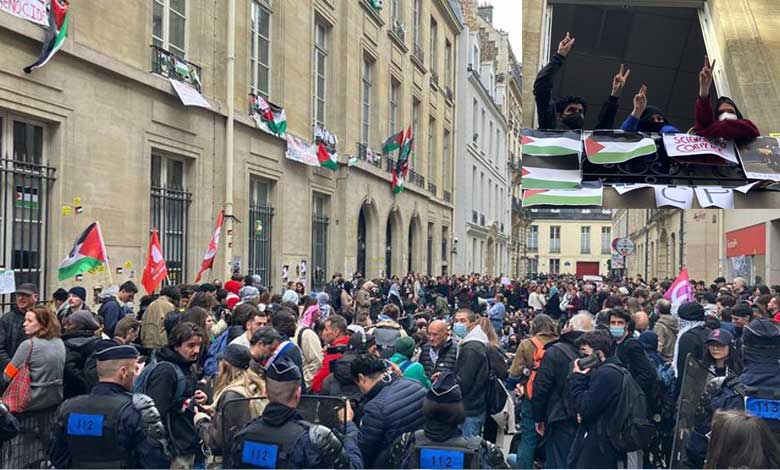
538	355
211	365
385	340
628	429
141	382
496	393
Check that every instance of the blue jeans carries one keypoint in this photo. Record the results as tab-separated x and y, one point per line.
473	425
528	436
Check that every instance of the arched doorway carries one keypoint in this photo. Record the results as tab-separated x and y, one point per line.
664	266
673	251
394	243
414	247
410	249
388	249
361	243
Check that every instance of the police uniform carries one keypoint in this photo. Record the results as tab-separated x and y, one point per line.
281	438
440	445
110	427
756	391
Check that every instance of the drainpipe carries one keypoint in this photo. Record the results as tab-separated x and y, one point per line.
682	238
231	60
721	235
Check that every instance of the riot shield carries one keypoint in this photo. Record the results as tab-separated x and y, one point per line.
693	383
324	410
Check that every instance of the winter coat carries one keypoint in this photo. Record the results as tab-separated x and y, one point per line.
551	402
79	346
362	306
111	312
471	369
46	365
389	410
691	342
594	395
230	418
631	353
414	370
311	352
707	126
322	373
666	328
153	333
11	335
524	356
448	354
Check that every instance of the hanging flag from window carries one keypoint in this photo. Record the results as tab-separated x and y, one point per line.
55	34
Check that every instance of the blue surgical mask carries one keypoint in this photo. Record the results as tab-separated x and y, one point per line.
617	331
460	330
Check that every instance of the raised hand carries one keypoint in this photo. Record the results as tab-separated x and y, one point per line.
564	47
640	102
620	80
705	77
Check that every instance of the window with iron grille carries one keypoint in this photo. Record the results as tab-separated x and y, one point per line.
261	215
555	239
321	32
260	43
584	240
319	241
365	132
169	26
169	213
24	190
606	242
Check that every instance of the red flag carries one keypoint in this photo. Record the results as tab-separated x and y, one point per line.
680	291
211	253
155	270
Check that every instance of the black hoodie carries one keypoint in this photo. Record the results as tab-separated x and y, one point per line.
79	346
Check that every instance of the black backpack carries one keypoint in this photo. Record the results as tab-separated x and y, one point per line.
496	394
628	429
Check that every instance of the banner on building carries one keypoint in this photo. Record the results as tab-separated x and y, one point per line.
30	10
563	197
188	95
761	158
715	196
603	147
551	160
301	151
675	196
694	149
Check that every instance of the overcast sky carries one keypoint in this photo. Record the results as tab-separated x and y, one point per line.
507	15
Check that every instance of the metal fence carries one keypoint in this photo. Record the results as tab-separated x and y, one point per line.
319	251
260	233
170	215
171	66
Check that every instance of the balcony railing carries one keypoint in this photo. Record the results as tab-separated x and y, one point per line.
447	196
419	54
432	189
366	154
417	179
169	65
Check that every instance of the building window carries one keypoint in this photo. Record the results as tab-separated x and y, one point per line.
533	238
393	120
260	42
445	236
606	240
170	203
434	46
260	229
555	239
169	26
24	184
319	241
533	266
447	63
395	10
482	139
365	133
446	161
415	127
321	32
491	155
417	14
431	150
555	266
584	240
430	249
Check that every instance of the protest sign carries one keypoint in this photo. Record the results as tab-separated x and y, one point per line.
687	148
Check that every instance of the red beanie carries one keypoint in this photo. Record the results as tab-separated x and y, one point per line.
233	286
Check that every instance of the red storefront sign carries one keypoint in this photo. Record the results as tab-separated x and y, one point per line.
746	241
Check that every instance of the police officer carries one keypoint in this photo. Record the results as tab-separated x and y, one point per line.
280	438
755	391
440	444
110	427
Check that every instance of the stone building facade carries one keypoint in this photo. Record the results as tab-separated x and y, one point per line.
100	130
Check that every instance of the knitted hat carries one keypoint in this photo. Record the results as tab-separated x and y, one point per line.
405	346
692	311
79	292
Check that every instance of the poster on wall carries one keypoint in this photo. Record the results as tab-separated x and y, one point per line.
761	158
30	10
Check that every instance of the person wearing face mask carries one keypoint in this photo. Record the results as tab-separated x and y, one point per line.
389	407
727	121
471	369
647	118
569	112
110	427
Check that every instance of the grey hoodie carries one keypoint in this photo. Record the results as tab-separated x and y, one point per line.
471	370
667	328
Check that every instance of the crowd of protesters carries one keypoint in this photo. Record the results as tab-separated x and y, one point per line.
545	371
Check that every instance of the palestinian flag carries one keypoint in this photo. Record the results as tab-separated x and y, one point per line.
402	164
559	172
88	252
55	34
394	142
327	159
272	115
563	197
406	148
617	147
551	143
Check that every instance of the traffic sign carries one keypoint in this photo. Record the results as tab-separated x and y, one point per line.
624	246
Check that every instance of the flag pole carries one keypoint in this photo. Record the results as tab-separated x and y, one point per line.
105	252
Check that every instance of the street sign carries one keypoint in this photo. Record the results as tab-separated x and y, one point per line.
624	246
618	261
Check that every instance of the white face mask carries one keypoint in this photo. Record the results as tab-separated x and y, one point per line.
726	116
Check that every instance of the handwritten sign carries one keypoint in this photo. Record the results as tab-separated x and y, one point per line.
30	10
301	151
700	150
715	196
7	282
188	95
675	196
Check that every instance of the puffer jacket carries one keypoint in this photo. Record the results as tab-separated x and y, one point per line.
667	328
79	346
446	362
11	335
389	410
